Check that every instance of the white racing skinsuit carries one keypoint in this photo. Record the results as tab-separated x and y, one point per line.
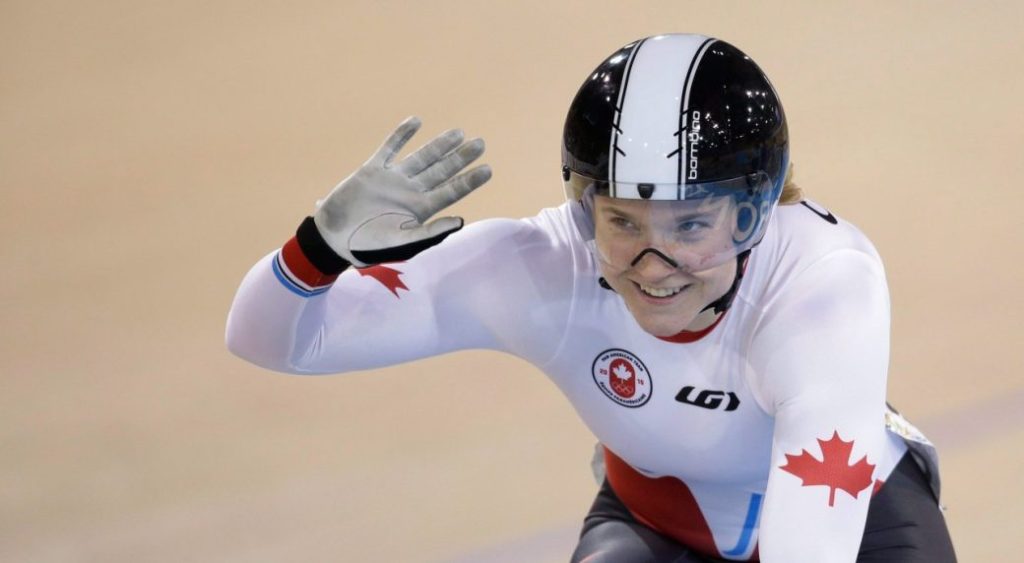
763	437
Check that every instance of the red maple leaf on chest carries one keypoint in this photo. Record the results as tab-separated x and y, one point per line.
833	470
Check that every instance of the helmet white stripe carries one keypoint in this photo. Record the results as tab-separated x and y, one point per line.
648	94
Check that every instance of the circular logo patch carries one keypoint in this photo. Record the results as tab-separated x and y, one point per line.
622	377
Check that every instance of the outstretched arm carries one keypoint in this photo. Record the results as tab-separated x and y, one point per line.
302	309
377	214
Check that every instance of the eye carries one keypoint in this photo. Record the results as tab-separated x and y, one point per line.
622	223
693	226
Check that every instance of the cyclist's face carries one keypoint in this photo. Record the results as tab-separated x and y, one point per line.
668	260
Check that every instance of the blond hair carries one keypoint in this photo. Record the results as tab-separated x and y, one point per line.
791	193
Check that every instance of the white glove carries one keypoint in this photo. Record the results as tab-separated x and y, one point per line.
377	214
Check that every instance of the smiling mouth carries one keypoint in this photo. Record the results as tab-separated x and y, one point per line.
660	292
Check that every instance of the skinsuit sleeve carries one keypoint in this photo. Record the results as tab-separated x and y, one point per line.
498	284
820	358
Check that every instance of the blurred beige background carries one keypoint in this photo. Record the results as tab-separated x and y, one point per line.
150	152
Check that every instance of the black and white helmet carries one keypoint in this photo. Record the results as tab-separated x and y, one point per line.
679	117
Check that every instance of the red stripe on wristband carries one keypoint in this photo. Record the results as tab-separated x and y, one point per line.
301	268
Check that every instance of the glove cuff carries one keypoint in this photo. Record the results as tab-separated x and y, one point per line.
305	264
317	251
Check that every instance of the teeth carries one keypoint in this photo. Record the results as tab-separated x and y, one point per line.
660	291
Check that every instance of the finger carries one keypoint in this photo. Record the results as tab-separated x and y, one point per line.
452	163
431	152
398	138
457	188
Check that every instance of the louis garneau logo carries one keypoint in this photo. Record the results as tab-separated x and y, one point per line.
708	399
622	377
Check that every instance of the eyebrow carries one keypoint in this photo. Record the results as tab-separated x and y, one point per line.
615	211
682	215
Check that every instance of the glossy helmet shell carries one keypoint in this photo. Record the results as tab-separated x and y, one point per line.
675	117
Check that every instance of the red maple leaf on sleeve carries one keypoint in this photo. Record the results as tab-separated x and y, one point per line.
388	277
833	469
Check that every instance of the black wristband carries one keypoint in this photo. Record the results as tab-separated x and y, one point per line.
317	251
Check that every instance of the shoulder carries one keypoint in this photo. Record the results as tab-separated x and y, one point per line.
559	225
806	240
551	238
514	278
806	232
820	305
553	226
542	251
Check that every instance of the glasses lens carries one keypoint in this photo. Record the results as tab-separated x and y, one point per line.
689	235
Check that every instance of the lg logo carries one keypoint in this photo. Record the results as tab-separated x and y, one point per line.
708	399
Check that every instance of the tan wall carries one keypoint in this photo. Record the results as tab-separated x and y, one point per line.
150	152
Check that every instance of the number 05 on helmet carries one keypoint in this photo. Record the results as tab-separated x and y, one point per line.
691	125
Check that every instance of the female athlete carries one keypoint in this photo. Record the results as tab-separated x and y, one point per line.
728	352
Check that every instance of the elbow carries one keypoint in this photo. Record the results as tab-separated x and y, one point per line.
247	345
238	345
242	347
269	351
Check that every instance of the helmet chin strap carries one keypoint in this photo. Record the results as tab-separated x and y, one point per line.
723	303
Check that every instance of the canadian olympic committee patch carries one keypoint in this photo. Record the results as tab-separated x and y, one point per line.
622	377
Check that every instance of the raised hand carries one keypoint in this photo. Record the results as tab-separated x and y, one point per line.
379	213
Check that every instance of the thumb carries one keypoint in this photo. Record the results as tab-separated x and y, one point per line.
408	243
442	226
